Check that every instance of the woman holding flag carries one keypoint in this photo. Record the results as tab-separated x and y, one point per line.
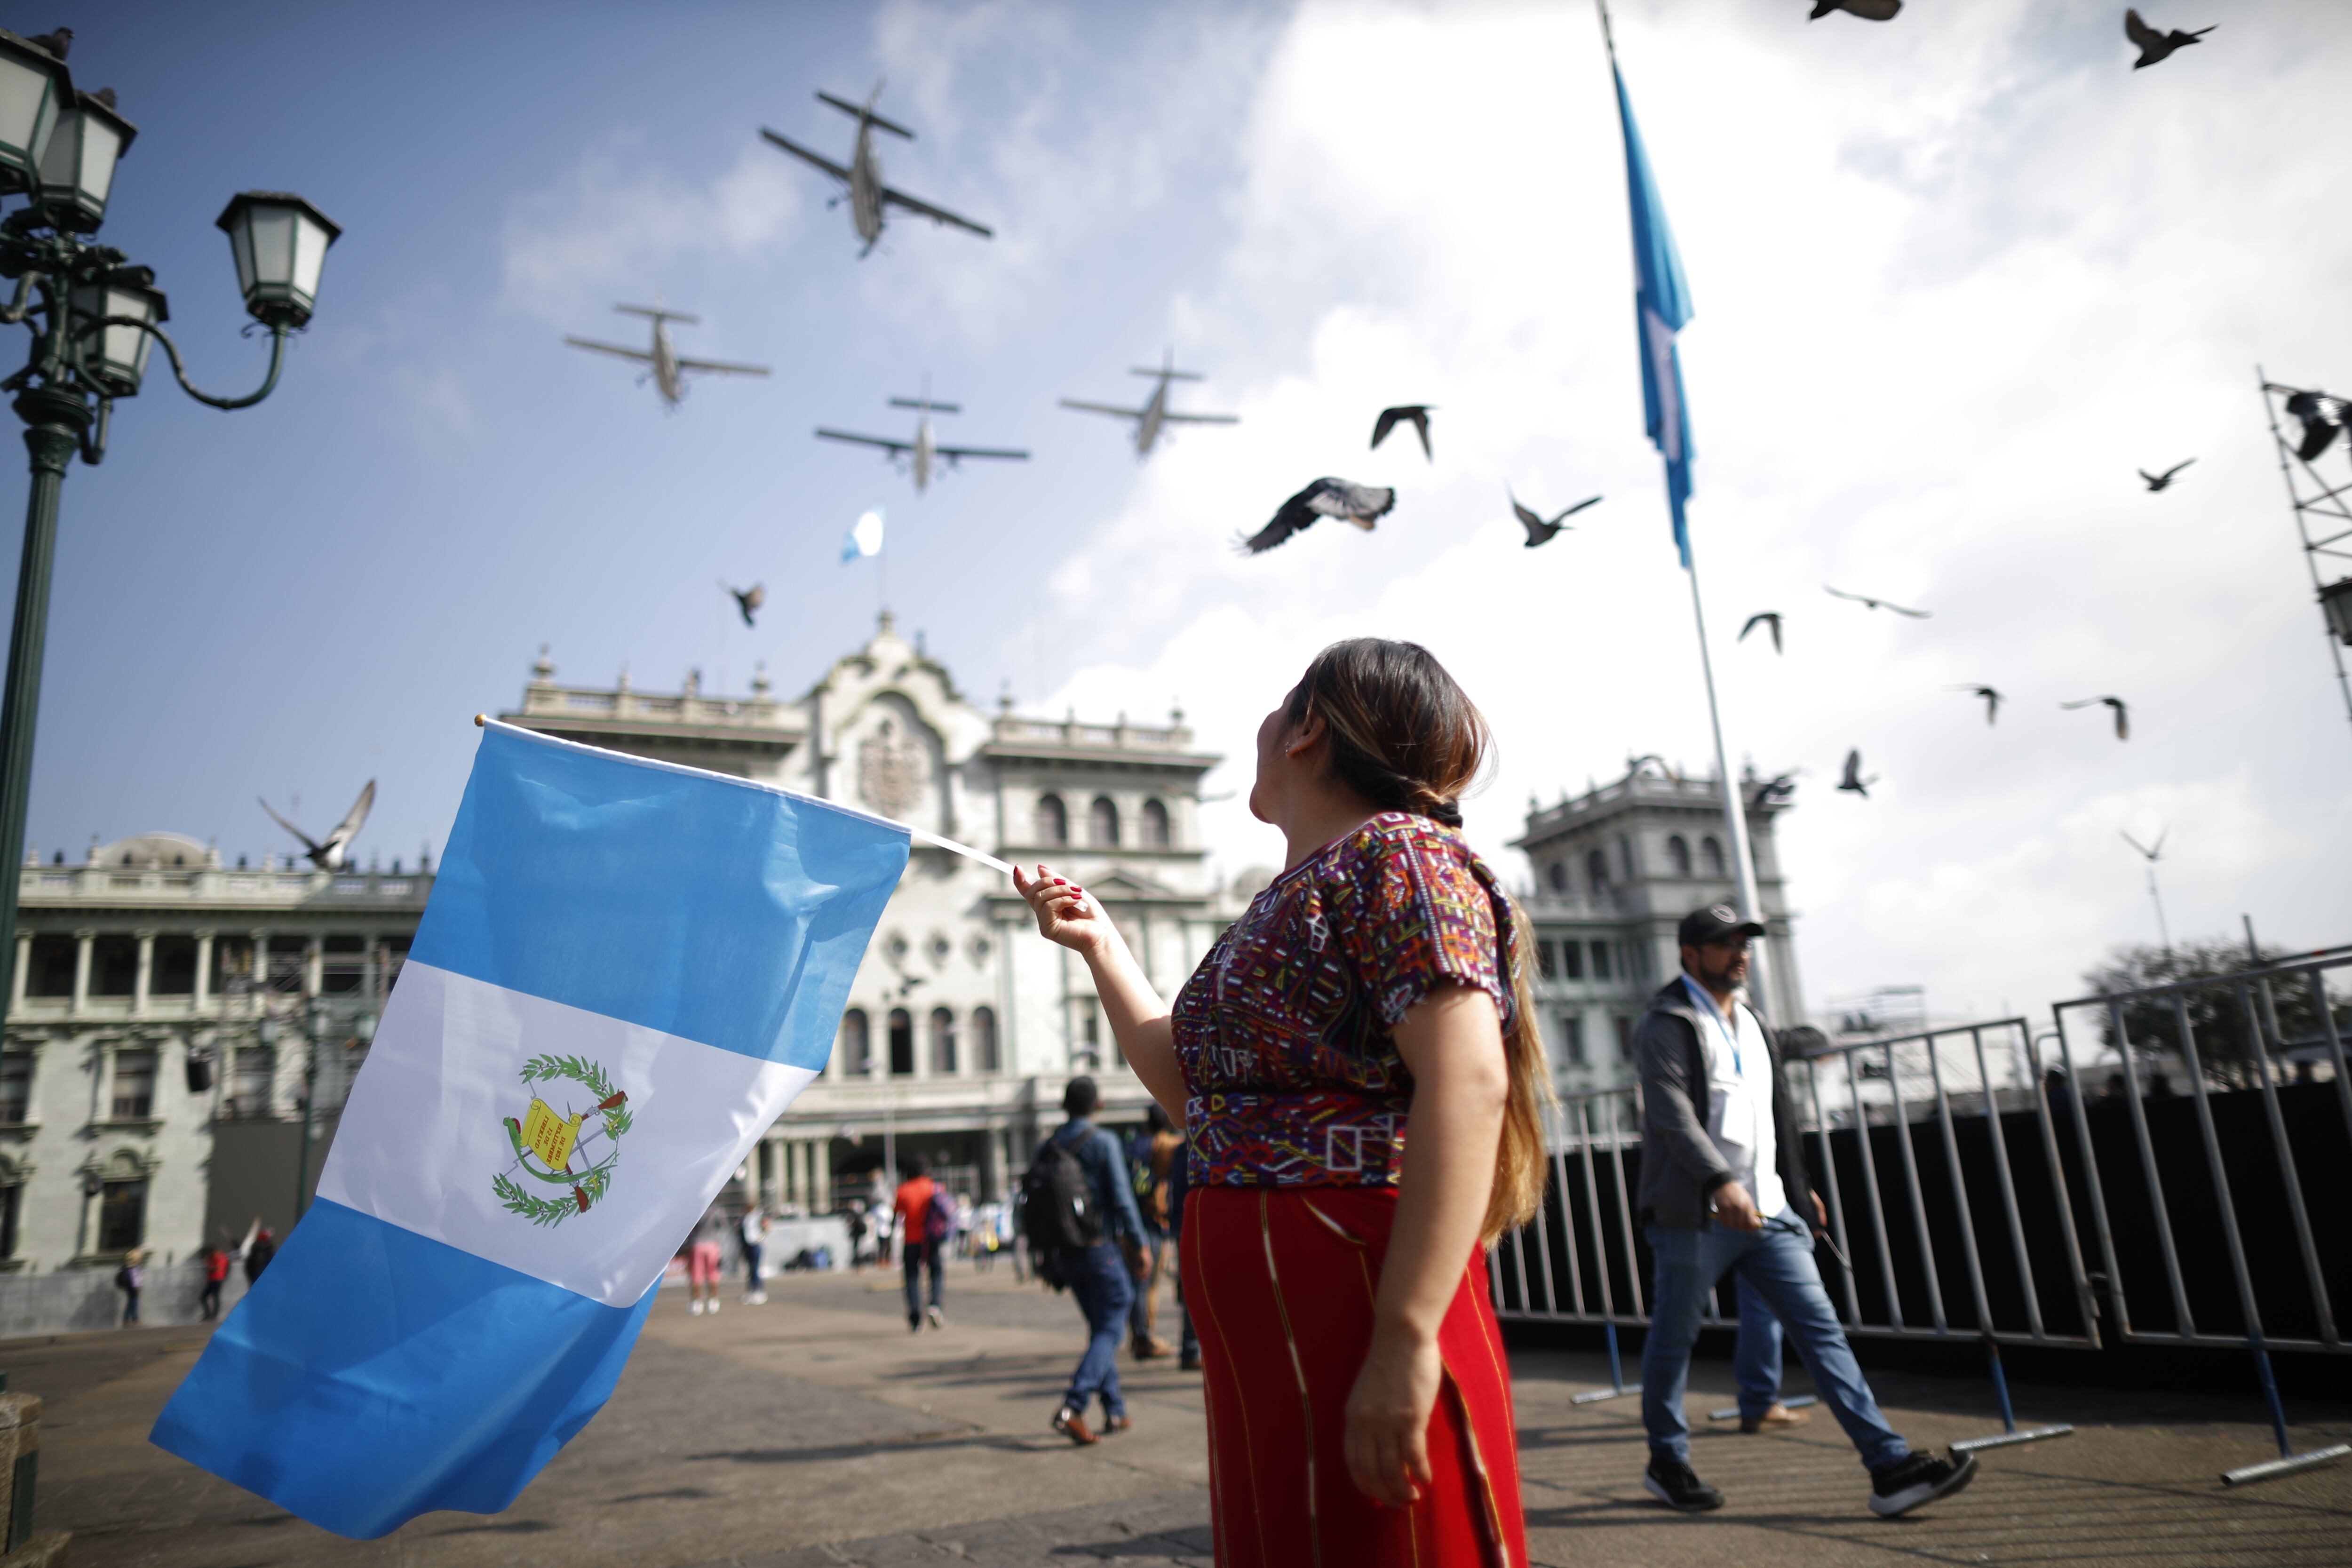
1360	1406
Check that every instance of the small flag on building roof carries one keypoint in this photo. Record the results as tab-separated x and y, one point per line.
627	971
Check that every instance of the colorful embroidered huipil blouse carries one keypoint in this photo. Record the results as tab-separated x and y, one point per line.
1294	1079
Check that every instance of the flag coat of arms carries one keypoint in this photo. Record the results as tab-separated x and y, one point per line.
626	972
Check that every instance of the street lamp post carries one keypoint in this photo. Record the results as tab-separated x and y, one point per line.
98	313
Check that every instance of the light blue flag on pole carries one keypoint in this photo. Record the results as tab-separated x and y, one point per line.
1661	305
627	969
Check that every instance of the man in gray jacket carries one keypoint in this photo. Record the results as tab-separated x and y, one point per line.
1724	1188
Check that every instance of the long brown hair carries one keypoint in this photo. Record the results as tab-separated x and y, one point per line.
1406	738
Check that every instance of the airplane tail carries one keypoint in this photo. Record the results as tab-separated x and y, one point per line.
655	313
925	402
865	112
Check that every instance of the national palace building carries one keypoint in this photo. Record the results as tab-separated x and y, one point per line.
173	1016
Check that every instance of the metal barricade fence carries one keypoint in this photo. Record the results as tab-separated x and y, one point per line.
1948	1205
2220	1173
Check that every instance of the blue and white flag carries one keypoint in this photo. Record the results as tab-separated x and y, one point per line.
626	972
863	538
1661	305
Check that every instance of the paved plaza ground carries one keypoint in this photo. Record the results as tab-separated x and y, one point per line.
815	1430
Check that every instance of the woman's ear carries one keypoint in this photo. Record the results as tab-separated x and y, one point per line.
1304	739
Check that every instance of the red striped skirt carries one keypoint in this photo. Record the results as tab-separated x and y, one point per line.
1280	1283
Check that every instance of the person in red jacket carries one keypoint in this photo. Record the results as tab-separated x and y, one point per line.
215	1276
917	1245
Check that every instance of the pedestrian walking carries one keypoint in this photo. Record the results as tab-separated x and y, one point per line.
706	1252
1360	1411
129	1280
857	1236
1148	1158
921	1240
258	1254
216	1262
1724	1188
754	1231
1083	1220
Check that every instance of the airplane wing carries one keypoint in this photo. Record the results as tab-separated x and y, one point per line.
937	214
803	154
638	354
891	446
1102	408
720	367
952	453
1200	418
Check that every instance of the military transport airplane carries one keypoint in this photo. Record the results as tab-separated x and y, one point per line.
668	371
920	453
869	199
1155	414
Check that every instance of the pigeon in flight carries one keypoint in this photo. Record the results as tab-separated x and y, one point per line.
1853	781
2163	480
1413	414
1879	603
2323	417
1992	700
329	856
1538	531
1868	10
1778	789
1766	617
2155	45
1363	505
747	600
2123	712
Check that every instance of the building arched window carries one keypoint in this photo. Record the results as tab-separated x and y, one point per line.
1678	854
1052	820
1155	826
1596	869
902	1043
1710	856
943	1041
857	1043
1558	876
1102	823
984	1041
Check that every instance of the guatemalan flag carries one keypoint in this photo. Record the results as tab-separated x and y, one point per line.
626	972
1662	304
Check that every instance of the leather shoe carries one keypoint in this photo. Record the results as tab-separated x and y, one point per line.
1775	1418
1148	1348
1114	1424
1072	1424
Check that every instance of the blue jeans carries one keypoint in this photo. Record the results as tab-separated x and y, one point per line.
1098	1276
1756	1358
1779	1261
914	1254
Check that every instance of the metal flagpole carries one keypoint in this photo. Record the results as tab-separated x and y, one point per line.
1735	814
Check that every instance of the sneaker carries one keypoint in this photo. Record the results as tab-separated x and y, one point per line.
1189	1361
713	1308
694	1307
932	1315
1672	1483
1071	1423
1921	1478
1772	1420
914	1325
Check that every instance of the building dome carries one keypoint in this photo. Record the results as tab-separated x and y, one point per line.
141	849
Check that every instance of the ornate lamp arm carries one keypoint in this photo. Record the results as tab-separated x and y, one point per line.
21	306
276	361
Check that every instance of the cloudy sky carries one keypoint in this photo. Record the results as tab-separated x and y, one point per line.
1956	278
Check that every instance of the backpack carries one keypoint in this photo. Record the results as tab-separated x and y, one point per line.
123	1278
938	1217
1057	1200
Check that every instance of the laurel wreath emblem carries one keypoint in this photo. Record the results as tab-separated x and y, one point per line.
546	1143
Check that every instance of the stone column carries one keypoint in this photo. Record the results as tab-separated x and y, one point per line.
821	1173
139	988
23	963
992	1164
82	940
204	969
314	966
776	1183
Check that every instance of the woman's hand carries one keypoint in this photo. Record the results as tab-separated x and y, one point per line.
1064	914
1388	1418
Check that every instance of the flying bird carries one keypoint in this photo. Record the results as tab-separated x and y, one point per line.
1879	603
2164	480
1992	700
1778	788
1868	10
1413	414
2123	712
329	856
56	43
2155	45
1853	781
747	600
1766	617
1538	531
2323	417
1363	505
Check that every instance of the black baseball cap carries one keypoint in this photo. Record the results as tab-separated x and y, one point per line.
1716	923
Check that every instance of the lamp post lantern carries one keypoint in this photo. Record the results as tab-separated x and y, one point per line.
98	316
